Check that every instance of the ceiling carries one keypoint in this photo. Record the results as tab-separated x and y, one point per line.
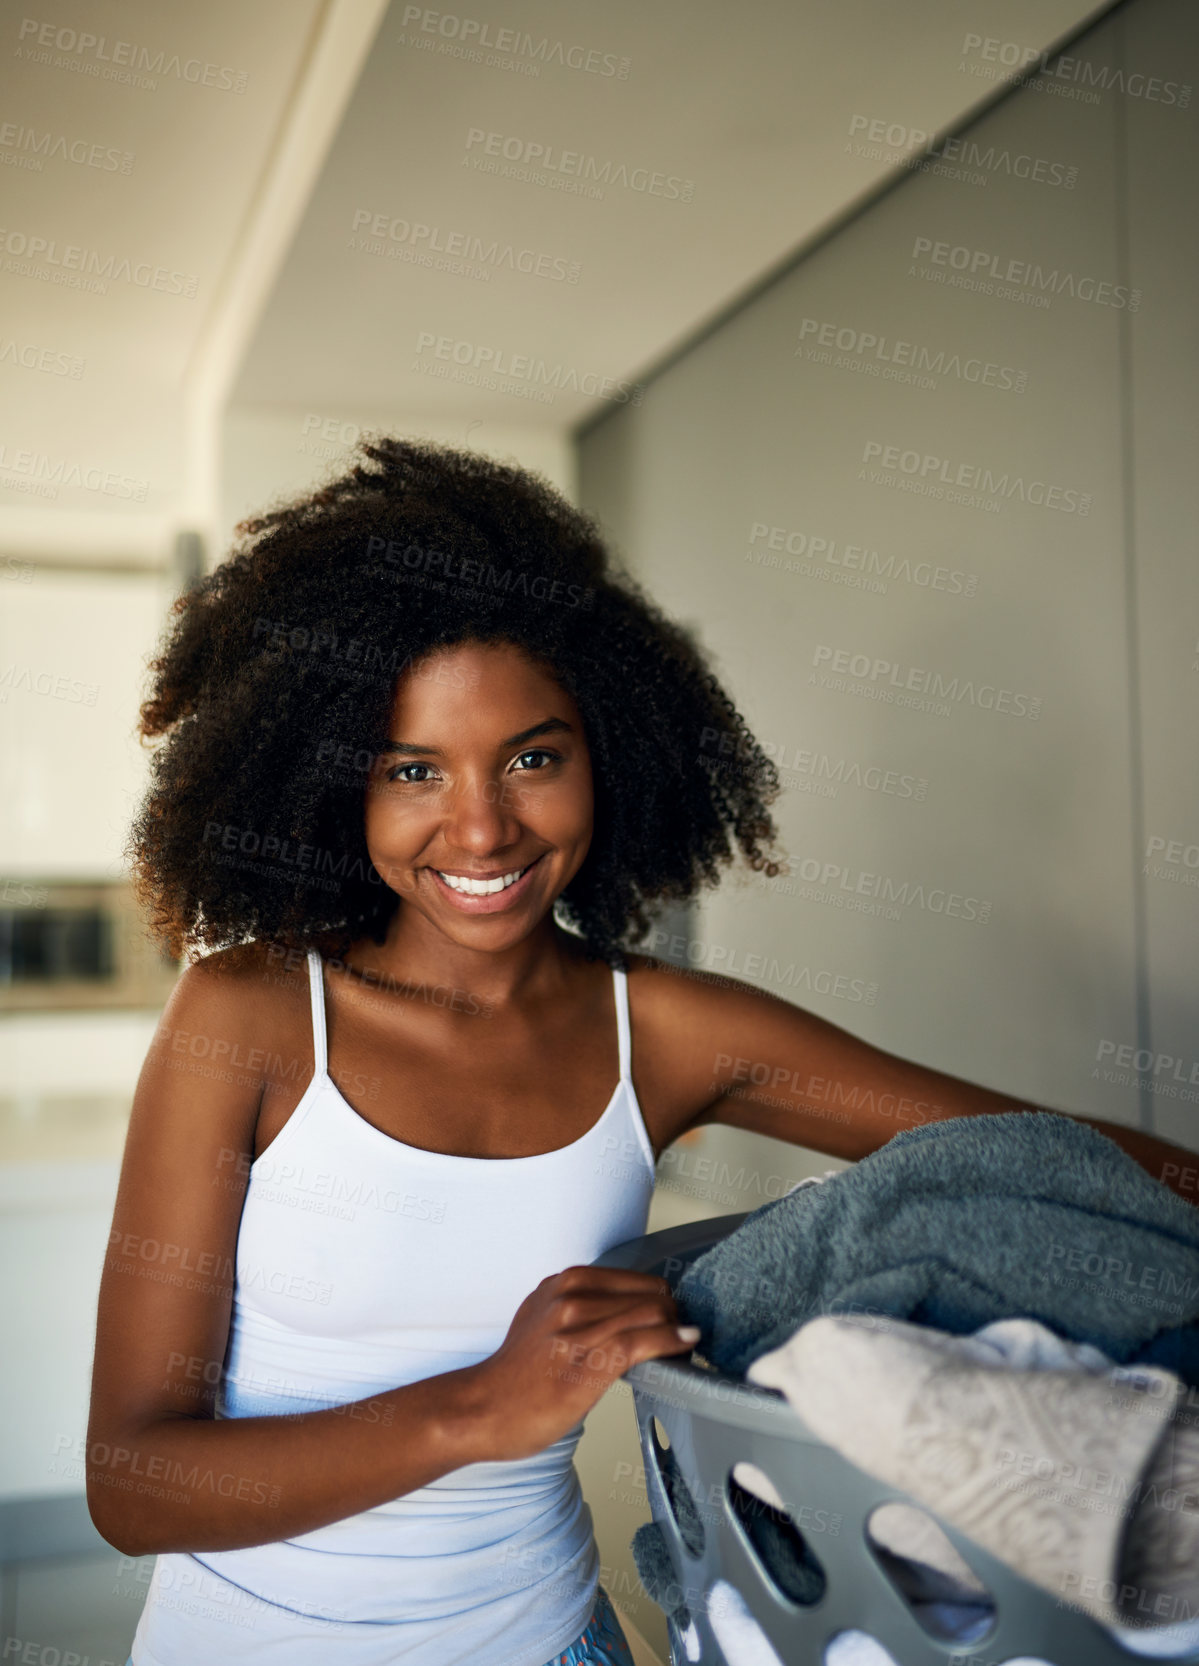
303	205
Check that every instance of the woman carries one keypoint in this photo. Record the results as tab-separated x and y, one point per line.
428	759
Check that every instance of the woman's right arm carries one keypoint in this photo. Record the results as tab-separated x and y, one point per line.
163	1473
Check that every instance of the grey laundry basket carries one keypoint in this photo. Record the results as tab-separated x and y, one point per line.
713	1421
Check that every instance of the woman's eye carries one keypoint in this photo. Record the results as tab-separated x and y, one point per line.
400	772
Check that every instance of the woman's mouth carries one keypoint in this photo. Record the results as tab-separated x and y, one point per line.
488	896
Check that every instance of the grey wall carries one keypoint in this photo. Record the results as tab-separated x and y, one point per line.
1031	589
1061	580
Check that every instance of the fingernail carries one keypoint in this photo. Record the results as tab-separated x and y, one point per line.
688	1333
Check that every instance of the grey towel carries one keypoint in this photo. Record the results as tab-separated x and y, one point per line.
959	1223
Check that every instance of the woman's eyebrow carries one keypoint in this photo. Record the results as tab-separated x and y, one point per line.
551	726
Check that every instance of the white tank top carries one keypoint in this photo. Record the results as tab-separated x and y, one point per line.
362	1264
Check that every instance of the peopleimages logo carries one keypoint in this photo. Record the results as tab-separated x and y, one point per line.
886	674
482	577
382	233
1145	1062
895	136
524	368
56	685
144	60
1171	859
890	357
547	164
32	357
39	471
1077	71
810	551
931	474
36	256
886	896
982	265
31	148
472	37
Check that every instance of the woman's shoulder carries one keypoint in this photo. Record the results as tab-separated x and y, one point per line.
684	1008
240	1017
672	1002
681	1016
687	989
246	987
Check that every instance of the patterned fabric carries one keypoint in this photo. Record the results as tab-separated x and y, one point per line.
601	1643
1027	1443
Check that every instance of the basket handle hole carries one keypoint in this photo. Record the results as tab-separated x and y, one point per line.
679	1496
770	1525
945	1596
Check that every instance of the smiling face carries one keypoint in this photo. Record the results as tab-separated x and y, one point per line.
479	807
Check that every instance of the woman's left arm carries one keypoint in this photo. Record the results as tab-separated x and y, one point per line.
760	1063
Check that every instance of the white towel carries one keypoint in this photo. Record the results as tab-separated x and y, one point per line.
742	1640
1024	1441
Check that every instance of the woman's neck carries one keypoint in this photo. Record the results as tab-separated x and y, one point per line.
545	961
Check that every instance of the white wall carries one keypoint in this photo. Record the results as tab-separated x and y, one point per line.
55	1219
73	648
271	452
73	652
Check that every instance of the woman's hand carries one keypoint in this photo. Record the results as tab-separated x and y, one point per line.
568	1342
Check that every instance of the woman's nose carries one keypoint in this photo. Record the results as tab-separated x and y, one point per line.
484	815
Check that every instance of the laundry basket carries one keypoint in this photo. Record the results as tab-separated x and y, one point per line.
713	1421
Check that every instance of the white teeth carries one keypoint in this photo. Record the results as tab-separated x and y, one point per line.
482	887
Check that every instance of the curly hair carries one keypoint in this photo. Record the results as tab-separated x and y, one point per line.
276	674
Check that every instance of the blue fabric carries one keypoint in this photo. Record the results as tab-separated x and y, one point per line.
958	1223
601	1643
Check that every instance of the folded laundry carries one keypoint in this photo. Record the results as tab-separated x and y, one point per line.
957	1224
1105	1483
1036	1247
1062	1469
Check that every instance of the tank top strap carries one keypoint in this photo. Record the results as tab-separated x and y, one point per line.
620	989
316	991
